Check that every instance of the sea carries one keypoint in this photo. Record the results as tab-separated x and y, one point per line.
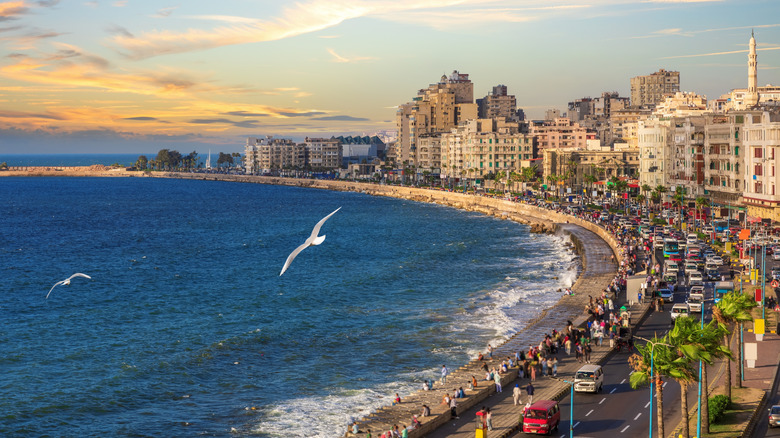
187	329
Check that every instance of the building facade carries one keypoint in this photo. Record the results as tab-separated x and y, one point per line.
269	153
561	134
323	153
497	104
651	89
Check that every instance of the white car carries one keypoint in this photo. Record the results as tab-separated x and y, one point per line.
695	279
691	267
672	268
715	259
666	294
680	309
710	266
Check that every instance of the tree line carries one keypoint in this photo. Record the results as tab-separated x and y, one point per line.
168	159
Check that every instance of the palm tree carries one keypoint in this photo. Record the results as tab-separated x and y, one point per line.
694	344
713	334
646	189
640	198
499	177
528	173
701	202
658	355
661	190
731	311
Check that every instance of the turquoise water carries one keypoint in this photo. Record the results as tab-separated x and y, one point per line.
186	327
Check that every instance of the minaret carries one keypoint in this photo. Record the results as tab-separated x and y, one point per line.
751	98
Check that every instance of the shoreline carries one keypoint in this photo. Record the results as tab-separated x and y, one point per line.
540	220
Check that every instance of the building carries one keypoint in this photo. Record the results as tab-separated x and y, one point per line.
561	134
323	153
439	108
624	125
266	154
747	98
761	140
651	89
687	155
497	104
653	137
483	147
599	107
357	149
724	161
602	164
681	104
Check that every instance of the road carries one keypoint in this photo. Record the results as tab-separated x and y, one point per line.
620	410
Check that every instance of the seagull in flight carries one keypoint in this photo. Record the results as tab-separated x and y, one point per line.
314	239
67	282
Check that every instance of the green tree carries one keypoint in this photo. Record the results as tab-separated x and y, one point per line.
529	173
732	310
701	202
713	333
141	162
651	362
224	159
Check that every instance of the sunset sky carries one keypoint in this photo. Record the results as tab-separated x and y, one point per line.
127	76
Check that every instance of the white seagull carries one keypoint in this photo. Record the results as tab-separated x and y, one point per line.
67	282
314	239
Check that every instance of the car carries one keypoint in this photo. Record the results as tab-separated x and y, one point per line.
680	309
589	378
776	256
690	266
774	416
666	294
712	275
695	279
710	266
715	259
542	417
672	267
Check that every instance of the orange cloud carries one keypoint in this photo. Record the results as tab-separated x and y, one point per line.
10	10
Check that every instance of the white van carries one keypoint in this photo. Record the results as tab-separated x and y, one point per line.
589	378
680	309
696	298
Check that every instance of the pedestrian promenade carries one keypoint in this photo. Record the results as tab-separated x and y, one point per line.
599	270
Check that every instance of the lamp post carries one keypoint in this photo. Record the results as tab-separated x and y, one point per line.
652	357
571	407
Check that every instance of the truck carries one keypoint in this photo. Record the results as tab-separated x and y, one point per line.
722	288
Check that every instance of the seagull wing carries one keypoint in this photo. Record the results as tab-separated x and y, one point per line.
79	274
52	288
317	227
294	254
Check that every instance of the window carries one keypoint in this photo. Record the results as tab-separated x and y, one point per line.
757	153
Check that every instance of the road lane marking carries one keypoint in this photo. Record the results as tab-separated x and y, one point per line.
589	412
575	425
623	381
647	404
637	416
624	429
603	400
613	390
664	385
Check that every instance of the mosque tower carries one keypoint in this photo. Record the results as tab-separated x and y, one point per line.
751	98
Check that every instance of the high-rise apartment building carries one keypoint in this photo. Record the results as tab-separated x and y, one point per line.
497	104
761	140
438	108
651	89
561	133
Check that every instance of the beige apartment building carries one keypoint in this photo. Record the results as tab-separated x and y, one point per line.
436	109
687	155
653	137
323	153
497	104
651	89
269	153
481	147
724	167
561	134
761	140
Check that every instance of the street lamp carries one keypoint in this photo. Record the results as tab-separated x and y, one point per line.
571	406
652	356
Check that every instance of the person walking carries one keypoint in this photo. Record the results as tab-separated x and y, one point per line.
516	393
530	391
444	373
555	367
489	419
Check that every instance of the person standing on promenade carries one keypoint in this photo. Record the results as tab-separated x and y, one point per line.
530	391
490	351
497	379
444	373
555	367
516	393
454	408
489	419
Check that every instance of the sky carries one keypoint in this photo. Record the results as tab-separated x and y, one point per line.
126	76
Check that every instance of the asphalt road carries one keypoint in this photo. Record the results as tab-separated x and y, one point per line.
620	410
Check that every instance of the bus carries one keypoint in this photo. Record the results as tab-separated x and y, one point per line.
671	248
722	288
